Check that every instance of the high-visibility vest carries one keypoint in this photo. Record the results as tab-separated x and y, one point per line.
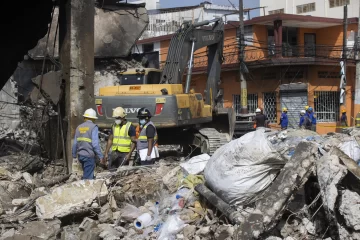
121	138
142	142
138	130
83	136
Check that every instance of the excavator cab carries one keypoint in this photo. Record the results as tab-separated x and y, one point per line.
140	76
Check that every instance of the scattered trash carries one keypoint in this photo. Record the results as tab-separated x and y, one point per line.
295	183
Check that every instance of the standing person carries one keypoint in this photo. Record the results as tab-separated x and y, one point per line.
86	144
260	119
122	140
302	119
284	121
312	119
343	119
147	138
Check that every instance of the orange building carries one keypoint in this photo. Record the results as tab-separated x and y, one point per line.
293	61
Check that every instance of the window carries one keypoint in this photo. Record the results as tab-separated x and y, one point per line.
248	35
338	3
276	11
327	106
270	106
252	103
310	7
326	74
294	75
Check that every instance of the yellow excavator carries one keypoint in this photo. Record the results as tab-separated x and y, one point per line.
181	117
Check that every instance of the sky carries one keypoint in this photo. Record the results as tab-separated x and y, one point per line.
181	3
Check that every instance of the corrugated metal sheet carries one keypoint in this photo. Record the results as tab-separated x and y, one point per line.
294	102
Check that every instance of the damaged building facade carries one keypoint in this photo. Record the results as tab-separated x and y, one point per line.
293	61
110	58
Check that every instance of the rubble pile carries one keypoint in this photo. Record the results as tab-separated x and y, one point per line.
314	193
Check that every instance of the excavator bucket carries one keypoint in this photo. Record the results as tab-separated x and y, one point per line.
224	121
116	29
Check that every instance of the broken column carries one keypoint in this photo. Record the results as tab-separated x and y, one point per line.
76	37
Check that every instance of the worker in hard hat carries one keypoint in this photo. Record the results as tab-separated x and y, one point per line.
86	144
122	140
312	117
302	119
343	119
260	119
147	138
284	121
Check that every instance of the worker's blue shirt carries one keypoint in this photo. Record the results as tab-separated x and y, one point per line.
312	117
343	118
94	142
284	120
302	119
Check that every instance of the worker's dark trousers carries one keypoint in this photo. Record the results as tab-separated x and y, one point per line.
88	166
116	160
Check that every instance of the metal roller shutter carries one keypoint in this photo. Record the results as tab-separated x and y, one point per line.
294	102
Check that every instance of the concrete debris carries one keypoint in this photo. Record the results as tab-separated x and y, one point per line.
50	85
41	230
70	198
314	196
350	208
106	214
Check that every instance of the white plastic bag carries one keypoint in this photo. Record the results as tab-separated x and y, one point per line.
241	169
171	227
352	149
196	164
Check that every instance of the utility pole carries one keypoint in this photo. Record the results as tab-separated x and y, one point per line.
243	85
357	80
344	57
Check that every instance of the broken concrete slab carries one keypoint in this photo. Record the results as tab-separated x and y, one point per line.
106	214
87	224
69	198
12	190
274	200
41	229
50	85
350	209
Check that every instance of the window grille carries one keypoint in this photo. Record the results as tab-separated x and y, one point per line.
276	11
309	7
294	75
252	100
326	74
327	106
338	3
270	106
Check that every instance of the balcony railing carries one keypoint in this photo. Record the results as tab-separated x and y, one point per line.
255	54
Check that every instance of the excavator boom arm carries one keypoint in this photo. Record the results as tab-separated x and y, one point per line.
180	50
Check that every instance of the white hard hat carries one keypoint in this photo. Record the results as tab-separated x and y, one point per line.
119	112
302	111
90	113
258	110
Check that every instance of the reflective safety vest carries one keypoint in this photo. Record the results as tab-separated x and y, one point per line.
121	138
83	136
142	142
138	134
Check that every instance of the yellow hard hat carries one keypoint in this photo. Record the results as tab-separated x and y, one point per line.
306	107
119	112
343	111
284	109
90	113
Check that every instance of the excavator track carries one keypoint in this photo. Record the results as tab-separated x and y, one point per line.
214	139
